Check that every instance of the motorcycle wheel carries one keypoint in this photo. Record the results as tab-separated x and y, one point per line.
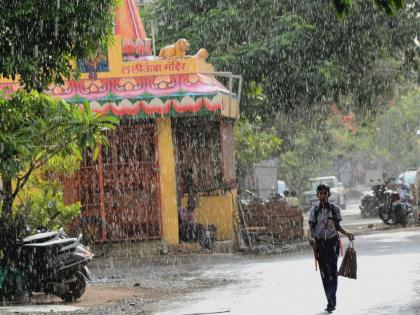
402	218
76	289
384	216
367	207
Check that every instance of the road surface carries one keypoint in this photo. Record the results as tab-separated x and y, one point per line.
388	281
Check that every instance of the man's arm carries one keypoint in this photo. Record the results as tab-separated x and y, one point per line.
344	232
338	227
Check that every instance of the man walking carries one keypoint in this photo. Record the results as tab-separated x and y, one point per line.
324	223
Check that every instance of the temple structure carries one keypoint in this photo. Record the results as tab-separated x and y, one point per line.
175	136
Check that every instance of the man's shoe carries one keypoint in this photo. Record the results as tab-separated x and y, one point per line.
330	306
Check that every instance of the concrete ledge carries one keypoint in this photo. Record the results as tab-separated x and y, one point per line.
221	247
159	248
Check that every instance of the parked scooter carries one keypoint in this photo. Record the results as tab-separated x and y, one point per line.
55	263
49	262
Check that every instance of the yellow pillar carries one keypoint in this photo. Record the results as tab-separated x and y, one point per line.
167	181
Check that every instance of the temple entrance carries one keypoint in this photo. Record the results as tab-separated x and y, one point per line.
122	185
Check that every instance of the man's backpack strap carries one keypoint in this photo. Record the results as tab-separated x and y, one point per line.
333	210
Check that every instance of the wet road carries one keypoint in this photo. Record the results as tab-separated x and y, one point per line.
388	283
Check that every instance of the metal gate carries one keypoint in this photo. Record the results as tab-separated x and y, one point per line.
121	187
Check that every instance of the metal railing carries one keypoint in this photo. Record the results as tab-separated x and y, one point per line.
231	77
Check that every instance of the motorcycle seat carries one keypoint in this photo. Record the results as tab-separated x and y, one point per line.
367	193
41	237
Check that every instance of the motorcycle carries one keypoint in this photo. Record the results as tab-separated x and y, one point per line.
49	262
392	207
394	210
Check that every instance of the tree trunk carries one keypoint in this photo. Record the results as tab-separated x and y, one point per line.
7	196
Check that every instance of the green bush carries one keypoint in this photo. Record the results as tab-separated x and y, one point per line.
40	204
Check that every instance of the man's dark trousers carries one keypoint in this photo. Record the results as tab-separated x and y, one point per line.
327	254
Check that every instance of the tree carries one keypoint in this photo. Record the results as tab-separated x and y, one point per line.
300	54
34	128
41	39
39	44
388	140
343	7
308	156
297	59
394	134
253	145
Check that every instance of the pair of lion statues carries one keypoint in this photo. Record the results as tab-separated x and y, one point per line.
179	50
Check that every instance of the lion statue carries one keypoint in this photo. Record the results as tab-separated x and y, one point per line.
177	50
202	53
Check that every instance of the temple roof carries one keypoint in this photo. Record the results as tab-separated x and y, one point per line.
130	81
128	23
129	26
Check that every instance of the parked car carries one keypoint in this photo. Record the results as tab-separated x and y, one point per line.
337	197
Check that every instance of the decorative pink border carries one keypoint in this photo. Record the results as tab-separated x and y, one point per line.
201	87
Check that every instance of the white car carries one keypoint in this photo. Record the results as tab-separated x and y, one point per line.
336	188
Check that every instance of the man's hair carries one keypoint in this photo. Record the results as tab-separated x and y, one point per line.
323	187
293	193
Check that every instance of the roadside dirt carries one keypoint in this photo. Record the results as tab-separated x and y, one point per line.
102	299
94	295
100	295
